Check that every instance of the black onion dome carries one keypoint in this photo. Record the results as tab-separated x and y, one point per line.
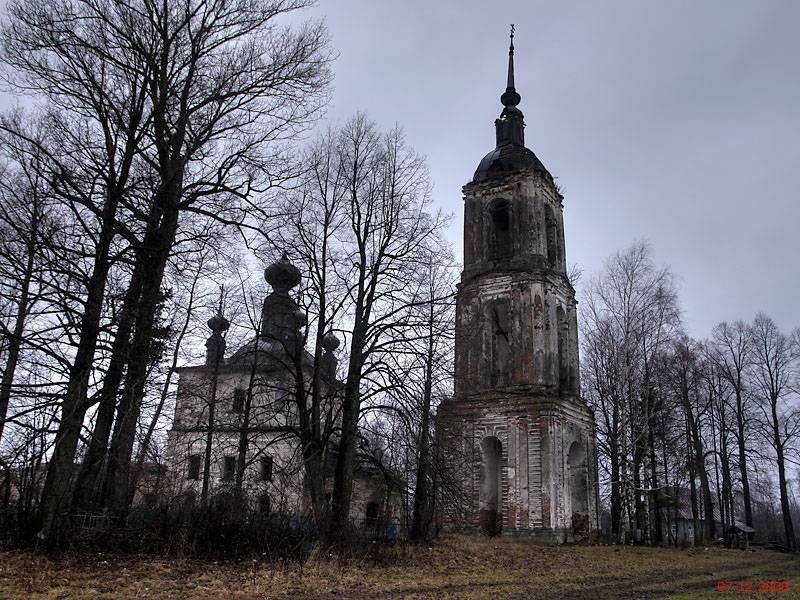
282	275
218	323
506	159
300	318
330	342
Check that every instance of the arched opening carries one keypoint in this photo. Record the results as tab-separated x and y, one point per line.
373	511
500	213
489	515
372	516
563	346
500	315
578	488
551	230
538	318
264	504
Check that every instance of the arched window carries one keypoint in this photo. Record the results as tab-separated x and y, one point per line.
501	240
578	487
264	504
563	348
489	516
502	359
538	318
187	500
372	517
551	228
237	405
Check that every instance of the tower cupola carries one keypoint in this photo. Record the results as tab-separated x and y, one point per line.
510	153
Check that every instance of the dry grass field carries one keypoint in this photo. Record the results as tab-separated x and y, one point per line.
456	567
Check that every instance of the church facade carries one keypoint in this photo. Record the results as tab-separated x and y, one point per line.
517	433
235	427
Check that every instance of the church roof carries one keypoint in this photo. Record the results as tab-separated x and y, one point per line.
508	158
264	353
257	350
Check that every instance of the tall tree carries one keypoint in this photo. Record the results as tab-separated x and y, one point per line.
227	85
80	57
359	224
387	193
774	372
630	315
732	355
433	360
195	96
686	378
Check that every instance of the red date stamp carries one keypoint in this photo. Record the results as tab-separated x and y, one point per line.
753	587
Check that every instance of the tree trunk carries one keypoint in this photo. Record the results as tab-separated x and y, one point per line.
658	536
345	460
311	428
212	406
693	487
88	493
740	438
786	508
420	522
56	495
157	253
244	431
616	492
700	466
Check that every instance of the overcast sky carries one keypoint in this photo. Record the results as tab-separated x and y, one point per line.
673	121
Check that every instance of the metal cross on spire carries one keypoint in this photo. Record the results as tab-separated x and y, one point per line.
510	84
510	97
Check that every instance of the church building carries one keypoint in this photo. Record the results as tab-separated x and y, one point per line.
518	436
235	429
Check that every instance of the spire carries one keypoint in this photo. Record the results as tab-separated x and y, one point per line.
510	97
218	324
509	127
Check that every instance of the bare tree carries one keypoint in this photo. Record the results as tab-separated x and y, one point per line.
80	57
387	191
732	355
774	372
630	315
195	99
24	227
686	378
433	360
226	86
360	226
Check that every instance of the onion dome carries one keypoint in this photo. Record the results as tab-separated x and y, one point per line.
330	342
282	275
218	323
300	318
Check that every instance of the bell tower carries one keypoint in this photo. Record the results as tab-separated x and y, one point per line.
516	419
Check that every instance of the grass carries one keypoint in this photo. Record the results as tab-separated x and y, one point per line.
455	567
